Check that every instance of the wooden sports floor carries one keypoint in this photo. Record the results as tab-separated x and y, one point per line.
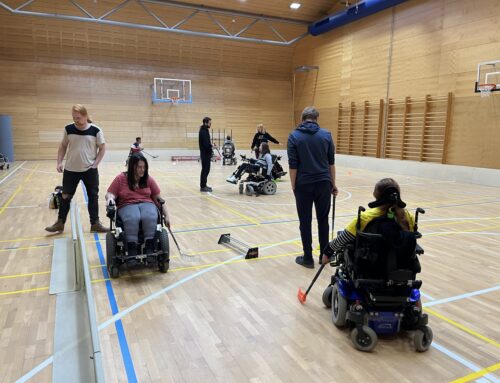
218	318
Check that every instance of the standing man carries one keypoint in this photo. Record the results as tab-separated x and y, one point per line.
311	158
205	153
84	144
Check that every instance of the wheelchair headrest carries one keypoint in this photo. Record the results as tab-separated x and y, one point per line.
390	196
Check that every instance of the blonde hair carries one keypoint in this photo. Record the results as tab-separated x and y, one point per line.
261	126
79	108
380	187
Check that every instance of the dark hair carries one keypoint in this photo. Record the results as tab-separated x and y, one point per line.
265	148
137	138
206	120
132	164
378	193
228	138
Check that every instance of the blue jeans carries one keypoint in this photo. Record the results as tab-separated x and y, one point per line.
132	215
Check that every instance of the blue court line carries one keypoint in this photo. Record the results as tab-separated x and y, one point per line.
122	338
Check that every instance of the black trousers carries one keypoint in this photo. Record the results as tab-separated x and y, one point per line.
205	169
319	194
246	167
90	179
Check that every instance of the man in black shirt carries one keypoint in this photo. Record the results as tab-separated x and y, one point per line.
205	153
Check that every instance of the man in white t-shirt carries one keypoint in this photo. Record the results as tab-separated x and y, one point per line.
84	144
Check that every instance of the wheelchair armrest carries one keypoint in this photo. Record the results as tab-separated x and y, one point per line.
369	235
111	211
161	201
419	250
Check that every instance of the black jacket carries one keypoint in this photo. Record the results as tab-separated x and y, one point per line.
204	142
262	137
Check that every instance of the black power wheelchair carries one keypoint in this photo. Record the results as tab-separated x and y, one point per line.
374	290
228	154
117	250
256	183
4	162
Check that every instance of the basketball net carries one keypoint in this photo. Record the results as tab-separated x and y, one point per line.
175	100
486	89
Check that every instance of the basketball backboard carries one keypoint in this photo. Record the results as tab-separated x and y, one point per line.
488	76
177	91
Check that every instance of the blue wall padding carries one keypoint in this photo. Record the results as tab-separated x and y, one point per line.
6	144
350	14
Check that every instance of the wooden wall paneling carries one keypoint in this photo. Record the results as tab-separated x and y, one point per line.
424	125
380	127
447	128
436	46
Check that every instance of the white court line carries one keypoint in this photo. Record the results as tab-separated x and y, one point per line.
120	314
12	172
349	196
40	171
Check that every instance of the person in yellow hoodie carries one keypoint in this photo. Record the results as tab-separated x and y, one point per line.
388	202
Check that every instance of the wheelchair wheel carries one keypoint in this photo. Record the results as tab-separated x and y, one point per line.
327	296
269	188
365	340
111	264
249	190
164	258
339	307
423	338
241	188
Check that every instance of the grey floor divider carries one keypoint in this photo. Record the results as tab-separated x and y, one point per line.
63	271
77	353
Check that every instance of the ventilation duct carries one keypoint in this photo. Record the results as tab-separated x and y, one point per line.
352	13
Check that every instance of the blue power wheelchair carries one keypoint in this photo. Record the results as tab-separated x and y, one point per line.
374	290
117	252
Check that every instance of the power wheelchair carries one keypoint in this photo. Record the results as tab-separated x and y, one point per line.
374	290
256	183
4	162
228	154
117	252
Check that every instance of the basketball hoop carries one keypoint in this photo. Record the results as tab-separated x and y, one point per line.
486	89
174	100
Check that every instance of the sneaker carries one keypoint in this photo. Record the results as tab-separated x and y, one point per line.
304	262
206	189
58	226
98	228
232	180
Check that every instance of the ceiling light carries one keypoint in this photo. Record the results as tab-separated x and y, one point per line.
295	5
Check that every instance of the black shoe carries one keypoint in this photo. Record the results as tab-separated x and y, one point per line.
149	248
206	189
304	262
132	249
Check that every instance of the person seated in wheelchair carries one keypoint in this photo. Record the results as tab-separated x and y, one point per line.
396	228
4	162
137	197
264	163
228	151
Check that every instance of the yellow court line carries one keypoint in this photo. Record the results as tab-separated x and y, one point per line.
477	374
219	204
18	189
23	291
28	247
150	272
249	219
461	231
30	238
24	275
462	327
